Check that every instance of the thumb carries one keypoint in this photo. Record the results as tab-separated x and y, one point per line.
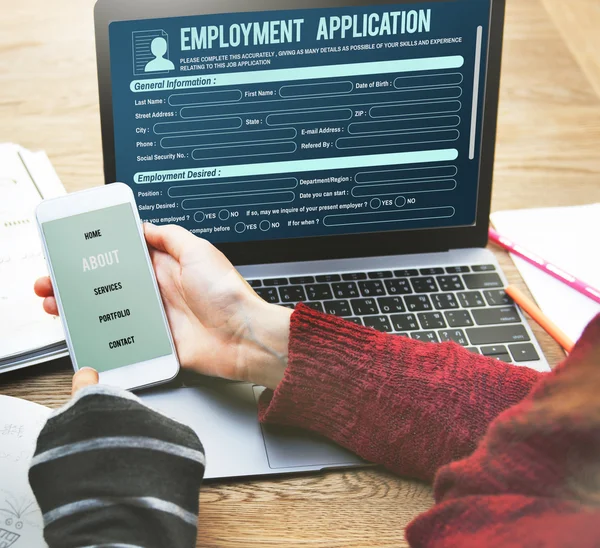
84	377
171	239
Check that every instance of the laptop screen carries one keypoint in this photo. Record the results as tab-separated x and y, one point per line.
301	123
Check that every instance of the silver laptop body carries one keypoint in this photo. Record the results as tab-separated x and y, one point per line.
339	153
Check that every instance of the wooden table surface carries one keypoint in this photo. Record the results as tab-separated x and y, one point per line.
548	155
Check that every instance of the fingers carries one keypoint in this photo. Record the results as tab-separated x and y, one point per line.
84	377
50	306
171	239
43	287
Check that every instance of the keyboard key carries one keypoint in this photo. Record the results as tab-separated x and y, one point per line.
374	288
362	307
338	308
431	271
275	281
491	316
496	350
431	320
292	294
353	276
471	299
524	352
254	283
357	321
450	283
459	318
327	278
497	334
418	303
424	285
345	290
380	275
289	305
315	306
482	281
303	280
497	297
389	305
404	322
319	292
269	294
483	268
455	335
425	336
398	287
501	358
405	273
473	349
457	269
381	323
444	301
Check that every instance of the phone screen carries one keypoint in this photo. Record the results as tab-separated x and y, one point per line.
111	308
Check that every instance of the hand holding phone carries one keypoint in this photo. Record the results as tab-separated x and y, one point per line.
219	325
105	287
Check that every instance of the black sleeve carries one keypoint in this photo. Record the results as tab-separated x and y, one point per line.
108	470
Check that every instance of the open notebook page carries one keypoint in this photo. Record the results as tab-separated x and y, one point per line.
21	524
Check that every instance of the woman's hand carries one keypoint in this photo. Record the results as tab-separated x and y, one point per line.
220	325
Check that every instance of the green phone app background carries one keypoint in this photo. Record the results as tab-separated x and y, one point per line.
67	249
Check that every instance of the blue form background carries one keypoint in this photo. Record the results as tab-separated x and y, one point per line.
449	19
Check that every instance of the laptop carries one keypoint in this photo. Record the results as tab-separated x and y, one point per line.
339	152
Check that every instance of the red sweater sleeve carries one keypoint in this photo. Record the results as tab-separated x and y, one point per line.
534	480
408	405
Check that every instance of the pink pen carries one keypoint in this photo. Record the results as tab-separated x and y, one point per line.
549	268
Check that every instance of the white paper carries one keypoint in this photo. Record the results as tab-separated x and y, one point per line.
21	524
567	237
24	326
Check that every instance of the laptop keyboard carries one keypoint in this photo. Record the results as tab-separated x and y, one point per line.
464	304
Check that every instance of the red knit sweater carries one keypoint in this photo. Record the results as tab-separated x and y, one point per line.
529	442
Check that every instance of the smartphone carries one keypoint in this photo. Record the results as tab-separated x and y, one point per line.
105	287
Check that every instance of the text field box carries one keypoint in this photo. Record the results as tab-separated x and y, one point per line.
243	151
205	97
212	124
397	139
237	187
405	174
391	189
396	216
321	88
396	110
229	138
404	124
309	117
242	200
429	80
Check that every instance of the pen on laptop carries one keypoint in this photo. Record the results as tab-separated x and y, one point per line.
545	266
545	323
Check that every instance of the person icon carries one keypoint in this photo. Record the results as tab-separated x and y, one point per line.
159	64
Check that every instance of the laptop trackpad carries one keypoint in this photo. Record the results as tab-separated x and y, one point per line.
224	417
295	448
